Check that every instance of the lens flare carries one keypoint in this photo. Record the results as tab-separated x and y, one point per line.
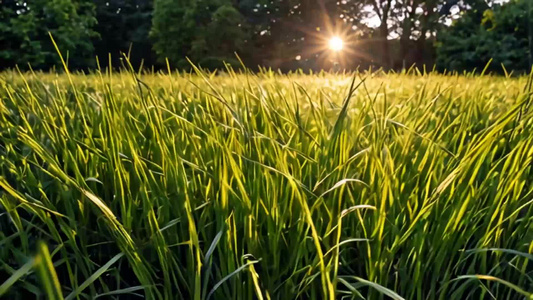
336	44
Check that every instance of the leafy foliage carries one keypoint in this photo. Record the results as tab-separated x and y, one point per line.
223	36
499	33
123	28
197	29
285	34
24	28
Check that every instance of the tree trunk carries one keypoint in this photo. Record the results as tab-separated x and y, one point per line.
405	39
530	33
385	51
426	27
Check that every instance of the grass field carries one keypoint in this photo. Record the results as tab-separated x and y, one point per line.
266	186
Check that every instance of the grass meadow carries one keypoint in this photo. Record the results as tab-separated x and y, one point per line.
236	185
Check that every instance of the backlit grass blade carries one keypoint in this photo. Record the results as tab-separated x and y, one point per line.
126	291
383	290
528	295
23	271
93	277
47	274
237	271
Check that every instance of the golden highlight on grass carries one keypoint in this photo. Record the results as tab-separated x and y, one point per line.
238	185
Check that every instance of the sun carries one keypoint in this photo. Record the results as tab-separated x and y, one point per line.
336	44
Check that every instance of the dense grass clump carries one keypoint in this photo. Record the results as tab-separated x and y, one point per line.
265	186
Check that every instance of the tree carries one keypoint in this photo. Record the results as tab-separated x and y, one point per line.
172	29
499	33
383	9
208	30
275	28
405	29
226	31
24	28
286	29
530	31
123	28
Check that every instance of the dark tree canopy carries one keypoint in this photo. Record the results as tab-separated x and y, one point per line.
124	27
206	31
499	33
284	34
24	28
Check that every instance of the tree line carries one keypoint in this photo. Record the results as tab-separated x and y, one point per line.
286	34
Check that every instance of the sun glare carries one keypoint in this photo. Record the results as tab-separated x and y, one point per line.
336	44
